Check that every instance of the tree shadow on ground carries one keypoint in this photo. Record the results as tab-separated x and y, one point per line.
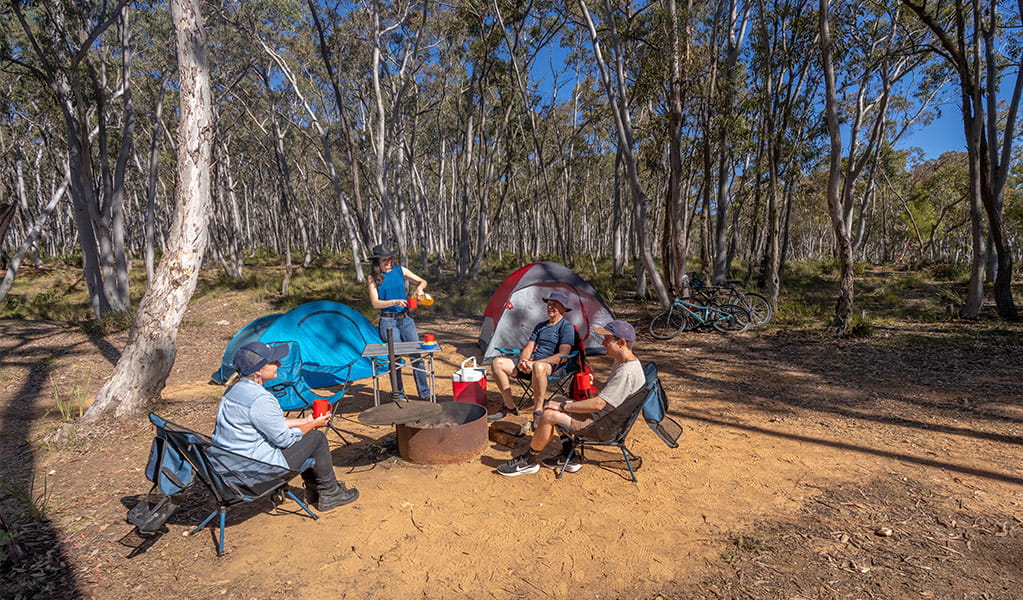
904	380
34	563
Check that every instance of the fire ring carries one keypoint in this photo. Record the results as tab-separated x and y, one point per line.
459	433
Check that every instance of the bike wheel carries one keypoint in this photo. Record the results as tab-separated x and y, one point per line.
730	318
759	309
667	324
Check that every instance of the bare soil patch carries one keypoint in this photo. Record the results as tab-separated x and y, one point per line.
798	450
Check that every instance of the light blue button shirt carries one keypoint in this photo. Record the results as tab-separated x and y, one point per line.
251	422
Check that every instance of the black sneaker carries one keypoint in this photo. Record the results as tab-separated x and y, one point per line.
504	412
518	466
555	462
339	496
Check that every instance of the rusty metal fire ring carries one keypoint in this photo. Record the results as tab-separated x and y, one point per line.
459	433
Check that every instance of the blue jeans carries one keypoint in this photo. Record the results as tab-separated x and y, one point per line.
405	331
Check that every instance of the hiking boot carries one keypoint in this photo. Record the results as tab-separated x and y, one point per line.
504	412
555	462
518	466
339	496
312	495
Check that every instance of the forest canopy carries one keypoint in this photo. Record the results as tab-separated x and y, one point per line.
696	132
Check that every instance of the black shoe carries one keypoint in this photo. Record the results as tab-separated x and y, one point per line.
518	466
555	462
339	496
504	412
312	495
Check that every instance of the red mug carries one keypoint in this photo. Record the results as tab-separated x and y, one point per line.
413	303
429	339
320	408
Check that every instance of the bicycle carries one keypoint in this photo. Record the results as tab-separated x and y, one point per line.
684	315
757	306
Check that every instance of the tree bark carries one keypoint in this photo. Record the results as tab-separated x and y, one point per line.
844	305
142	370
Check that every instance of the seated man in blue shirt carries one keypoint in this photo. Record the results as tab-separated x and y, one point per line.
550	340
250	422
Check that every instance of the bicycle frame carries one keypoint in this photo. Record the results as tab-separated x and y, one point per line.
704	316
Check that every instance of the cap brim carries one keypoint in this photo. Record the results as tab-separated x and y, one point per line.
601	331
567	309
277	352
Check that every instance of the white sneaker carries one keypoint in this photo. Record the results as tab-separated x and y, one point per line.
555	462
518	466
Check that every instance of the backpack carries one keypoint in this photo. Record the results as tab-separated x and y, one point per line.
171	475
655	409
581	386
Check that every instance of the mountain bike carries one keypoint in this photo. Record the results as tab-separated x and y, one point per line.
757	306
685	315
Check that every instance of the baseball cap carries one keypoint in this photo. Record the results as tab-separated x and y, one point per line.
620	329
252	356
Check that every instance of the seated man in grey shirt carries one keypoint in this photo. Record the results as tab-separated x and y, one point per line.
626	377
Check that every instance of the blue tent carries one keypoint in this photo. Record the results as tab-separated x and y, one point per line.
326	340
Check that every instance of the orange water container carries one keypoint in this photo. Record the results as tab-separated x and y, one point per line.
469	383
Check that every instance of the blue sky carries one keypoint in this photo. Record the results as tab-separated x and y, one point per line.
944	134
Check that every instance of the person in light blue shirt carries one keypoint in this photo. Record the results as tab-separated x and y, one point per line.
250	422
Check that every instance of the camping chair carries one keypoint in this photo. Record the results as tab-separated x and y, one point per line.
558	381
612	429
229	477
292	391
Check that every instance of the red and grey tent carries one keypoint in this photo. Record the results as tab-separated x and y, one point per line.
517	306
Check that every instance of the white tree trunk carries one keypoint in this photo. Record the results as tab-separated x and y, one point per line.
32	234
147	359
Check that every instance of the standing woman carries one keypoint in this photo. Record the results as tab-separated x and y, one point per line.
387	293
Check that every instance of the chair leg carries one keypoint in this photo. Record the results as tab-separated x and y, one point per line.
292	495
330	426
564	465
204	522
628	463
223	518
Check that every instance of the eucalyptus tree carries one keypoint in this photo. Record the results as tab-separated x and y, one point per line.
980	40
87	76
142	370
784	78
618	101
843	308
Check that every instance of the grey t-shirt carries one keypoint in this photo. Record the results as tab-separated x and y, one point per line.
626	378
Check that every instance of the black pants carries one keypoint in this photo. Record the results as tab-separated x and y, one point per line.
313	445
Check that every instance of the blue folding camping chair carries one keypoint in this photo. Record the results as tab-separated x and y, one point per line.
612	429
558	382
229	477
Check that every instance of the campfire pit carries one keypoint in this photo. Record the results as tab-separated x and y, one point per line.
458	433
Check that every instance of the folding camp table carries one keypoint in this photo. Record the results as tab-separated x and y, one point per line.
402	350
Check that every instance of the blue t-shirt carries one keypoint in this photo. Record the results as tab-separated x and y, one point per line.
548	338
392	288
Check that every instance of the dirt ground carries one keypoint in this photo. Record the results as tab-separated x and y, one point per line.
880	467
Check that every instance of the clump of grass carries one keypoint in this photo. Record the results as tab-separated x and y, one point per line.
861	326
745	545
71	407
33	505
107	324
949	272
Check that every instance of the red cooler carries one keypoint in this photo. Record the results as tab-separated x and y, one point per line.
470	383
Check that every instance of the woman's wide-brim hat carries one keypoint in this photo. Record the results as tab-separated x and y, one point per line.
382	251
